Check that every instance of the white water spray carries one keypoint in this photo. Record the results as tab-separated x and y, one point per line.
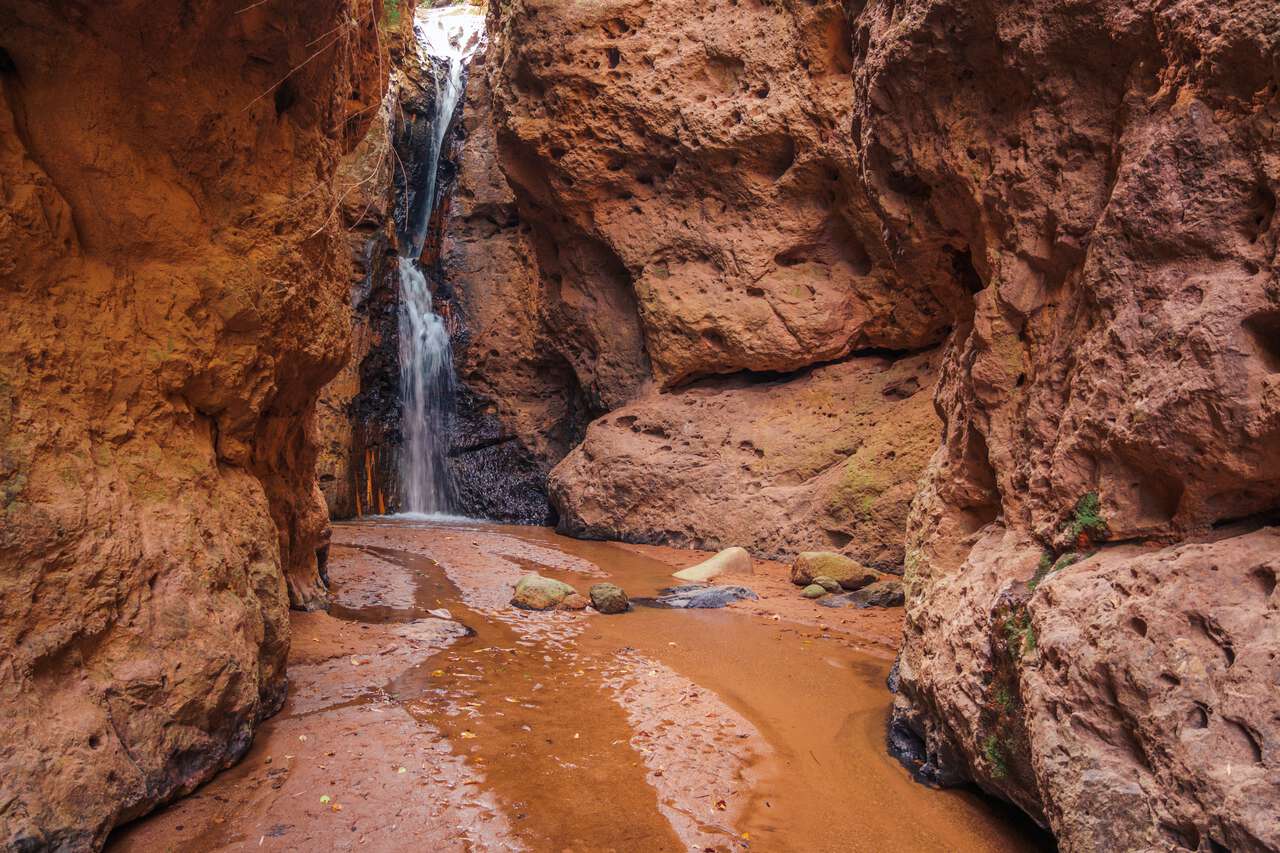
448	36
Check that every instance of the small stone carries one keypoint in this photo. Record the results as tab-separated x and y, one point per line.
813	590
829	584
703	597
573	601
609	598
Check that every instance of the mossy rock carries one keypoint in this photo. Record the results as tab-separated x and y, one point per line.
829	584
534	592
813	591
848	573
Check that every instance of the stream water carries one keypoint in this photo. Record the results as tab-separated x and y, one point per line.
438	717
447	38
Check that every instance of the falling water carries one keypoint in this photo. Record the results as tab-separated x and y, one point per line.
449	37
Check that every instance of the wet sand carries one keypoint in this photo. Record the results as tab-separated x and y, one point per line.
759	726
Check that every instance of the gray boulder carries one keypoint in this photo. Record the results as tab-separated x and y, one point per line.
703	597
609	598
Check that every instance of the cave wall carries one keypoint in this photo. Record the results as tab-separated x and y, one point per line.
173	282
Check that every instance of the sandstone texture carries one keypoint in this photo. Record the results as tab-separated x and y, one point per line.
534	592
691	164
1058	217
609	598
825	460
730	561
1110	172
172	297
654	195
815	566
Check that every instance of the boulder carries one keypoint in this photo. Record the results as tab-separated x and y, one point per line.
849	574
813	590
534	592
885	593
609	598
730	561
703	597
573	601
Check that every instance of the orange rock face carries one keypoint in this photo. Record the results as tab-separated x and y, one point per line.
173	297
1111	175
826	460
1081	201
649	196
691	165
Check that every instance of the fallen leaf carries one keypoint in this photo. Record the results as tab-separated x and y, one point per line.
325	798
468	735
302	737
721	805
436	673
401	770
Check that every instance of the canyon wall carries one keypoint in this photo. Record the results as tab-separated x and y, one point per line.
1092	626
173	282
657	216
743	240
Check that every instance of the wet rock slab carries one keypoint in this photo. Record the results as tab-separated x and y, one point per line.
695	597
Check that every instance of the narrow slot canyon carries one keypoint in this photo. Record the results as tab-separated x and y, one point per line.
640	425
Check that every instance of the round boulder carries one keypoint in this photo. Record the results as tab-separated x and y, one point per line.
534	592
850	574
813	590
609	598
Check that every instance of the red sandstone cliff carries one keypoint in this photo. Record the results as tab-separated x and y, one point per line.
173	297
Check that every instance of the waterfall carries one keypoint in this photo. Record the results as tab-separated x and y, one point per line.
446	37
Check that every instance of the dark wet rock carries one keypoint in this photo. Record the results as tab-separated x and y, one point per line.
906	745
609	598
828	583
885	593
814	590
702	597
534	592
849	574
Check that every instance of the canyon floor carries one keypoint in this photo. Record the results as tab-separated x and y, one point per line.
758	726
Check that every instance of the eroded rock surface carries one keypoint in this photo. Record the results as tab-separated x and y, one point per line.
1111	174
172	298
828	459
1083	197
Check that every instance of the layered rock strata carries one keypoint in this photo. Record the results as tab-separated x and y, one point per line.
173	297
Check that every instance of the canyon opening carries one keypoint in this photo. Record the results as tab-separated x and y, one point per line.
640	425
